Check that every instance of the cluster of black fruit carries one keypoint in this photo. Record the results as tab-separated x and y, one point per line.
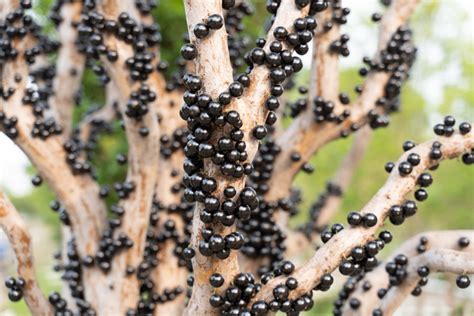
299	105
264	237
149	297
61	210
93	27
235	298
170	144
347	289
310	227
339	16
324	111
396	60
237	43
79	165
8	125
18	25
362	259
72	267
15	288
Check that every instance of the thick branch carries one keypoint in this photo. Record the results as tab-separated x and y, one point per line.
143	157
378	278
170	176
78	193
328	257
20	240
324	76
437	260
214	68
69	66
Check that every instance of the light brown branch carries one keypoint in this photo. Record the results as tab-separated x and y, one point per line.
437	260
378	278
79	194
344	174
328	257
171	175
69	66
306	137
143	157
298	240
324	75
20	240
214	68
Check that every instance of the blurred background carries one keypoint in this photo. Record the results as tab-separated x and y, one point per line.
441	83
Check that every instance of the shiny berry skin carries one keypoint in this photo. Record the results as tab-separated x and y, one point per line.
188	51
389	166
201	30
464	128
259	132
439	129
424	180
408	145
421	195
354	218
216	300
346	268
463	242
15	295
405	168
423	271
370	220
216	280
414	159
463	281
215	21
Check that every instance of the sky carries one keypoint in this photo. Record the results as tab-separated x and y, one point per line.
13	163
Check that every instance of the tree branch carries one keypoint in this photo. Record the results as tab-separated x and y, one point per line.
378	278
214	68
105	114
69	66
20	240
143	157
344	174
170	177
437	260
306	137
329	256
303	240
78	193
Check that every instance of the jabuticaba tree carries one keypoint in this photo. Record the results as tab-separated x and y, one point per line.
197	224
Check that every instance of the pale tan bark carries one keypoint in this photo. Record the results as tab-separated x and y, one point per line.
69	66
20	240
213	66
378	278
437	260
307	137
328	257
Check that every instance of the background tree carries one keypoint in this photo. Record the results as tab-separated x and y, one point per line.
125	246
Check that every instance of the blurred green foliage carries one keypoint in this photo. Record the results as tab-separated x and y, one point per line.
450	204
